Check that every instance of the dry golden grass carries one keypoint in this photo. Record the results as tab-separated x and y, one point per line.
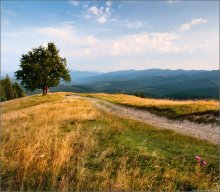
28	101
34	144
190	105
201	111
55	143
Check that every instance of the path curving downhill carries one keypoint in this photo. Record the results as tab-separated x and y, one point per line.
202	131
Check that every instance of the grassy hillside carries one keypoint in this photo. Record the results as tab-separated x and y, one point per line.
58	143
201	111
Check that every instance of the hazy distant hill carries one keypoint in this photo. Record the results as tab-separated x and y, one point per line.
176	84
180	84
79	76
133	74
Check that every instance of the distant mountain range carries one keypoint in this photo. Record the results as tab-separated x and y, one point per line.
134	74
178	84
158	83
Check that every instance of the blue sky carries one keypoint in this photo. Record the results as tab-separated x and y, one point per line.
114	35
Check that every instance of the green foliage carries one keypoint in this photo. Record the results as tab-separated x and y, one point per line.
10	91
18	90
3	95
42	68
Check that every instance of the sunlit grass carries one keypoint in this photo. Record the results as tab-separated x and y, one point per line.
30	101
202	111
68	145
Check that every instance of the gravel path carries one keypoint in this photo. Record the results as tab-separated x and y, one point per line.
201	131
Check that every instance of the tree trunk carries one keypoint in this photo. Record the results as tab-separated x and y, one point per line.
45	90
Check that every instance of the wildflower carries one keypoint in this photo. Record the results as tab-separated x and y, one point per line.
200	161
198	158
204	163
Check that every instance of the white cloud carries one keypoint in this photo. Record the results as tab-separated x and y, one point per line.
77	47
64	32
101	19
189	25
144	42
101	14
94	10
74	3
74	44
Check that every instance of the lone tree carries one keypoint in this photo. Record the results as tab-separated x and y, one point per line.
42	68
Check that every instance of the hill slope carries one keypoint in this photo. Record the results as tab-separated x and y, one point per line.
59	143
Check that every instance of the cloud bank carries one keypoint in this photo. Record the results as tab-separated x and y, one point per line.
189	25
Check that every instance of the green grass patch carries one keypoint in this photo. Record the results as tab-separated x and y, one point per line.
163	157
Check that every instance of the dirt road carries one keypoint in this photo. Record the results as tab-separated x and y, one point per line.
201	131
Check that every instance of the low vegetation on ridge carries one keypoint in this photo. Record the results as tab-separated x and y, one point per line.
60	143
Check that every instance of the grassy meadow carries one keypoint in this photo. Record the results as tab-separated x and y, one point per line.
59	143
200	111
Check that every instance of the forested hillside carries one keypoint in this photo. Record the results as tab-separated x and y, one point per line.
10	90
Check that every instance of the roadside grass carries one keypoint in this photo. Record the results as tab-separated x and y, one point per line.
70	145
152	159
200	111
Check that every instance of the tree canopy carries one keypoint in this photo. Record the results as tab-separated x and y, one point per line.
42	68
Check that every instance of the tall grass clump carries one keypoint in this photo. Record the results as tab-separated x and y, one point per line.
41	145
